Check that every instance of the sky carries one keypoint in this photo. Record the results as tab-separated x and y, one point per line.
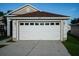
69	9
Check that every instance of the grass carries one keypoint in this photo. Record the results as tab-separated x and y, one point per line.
72	44
2	46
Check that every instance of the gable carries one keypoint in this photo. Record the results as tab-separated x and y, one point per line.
23	10
29	11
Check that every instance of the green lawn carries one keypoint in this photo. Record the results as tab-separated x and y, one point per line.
72	44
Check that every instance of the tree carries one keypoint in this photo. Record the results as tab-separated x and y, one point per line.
1	13
75	21
9	11
4	18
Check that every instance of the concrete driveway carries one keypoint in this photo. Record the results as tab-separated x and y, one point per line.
35	48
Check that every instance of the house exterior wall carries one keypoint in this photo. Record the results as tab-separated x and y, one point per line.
75	30
63	33
66	29
12	16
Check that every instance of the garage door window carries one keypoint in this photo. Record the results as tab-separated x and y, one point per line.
51	23
26	23
41	23
57	23
21	23
36	23
46	23
31	23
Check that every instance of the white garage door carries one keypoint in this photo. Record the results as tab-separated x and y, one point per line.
39	30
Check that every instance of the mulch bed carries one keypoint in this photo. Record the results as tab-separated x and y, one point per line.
11	41
2	46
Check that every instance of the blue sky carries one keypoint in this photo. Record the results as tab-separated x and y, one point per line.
69	9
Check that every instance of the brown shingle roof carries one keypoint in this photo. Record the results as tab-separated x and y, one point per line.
41	14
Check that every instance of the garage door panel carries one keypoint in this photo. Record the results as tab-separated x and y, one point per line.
39	32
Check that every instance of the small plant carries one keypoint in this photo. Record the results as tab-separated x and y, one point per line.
11	41
2	46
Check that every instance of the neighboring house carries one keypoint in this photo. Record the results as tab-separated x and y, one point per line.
2	26
75	29
29	23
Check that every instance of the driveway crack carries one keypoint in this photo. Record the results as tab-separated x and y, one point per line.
32	48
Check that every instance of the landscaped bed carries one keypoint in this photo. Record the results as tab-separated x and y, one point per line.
3	38
72	44
11	41
2	46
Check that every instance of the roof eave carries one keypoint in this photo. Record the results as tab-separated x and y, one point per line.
9	15
55	18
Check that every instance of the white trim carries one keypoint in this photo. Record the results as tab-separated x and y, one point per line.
14	29
62	31
17	27
38	18
22	7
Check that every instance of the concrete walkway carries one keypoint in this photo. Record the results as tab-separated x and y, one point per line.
35	48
